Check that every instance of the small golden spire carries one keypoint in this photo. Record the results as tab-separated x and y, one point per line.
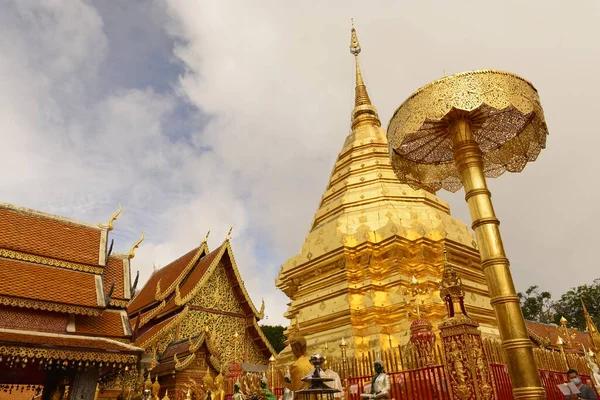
135	246
114	218
363	112
589	323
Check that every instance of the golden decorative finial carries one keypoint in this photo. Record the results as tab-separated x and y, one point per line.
135	246
229	234
563	321
343	343
206	236
354	45
114	218
364	112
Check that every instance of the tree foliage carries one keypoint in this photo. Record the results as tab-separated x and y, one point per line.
536	306
539	307
569	305
275	336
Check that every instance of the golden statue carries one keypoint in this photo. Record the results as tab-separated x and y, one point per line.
299	368
155	388
219	391
208	385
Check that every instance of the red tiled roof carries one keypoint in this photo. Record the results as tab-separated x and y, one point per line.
64	341
552	332
49	284
114	270
166	275
34	320
48	237
192	280
109	324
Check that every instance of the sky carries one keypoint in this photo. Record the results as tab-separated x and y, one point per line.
202	115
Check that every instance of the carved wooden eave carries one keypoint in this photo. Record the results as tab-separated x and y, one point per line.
201	252
151	314
181	365
146	344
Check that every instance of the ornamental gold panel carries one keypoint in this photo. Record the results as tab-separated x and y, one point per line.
217	293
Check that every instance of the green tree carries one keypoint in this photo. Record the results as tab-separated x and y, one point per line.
569	305
536	306
274	334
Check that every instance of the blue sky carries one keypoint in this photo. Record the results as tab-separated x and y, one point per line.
199	115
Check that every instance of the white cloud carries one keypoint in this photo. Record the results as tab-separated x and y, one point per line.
271	83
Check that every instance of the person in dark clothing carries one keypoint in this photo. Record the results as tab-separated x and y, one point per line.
585	391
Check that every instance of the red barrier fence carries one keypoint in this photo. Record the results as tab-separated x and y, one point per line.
431	383
427	383
502	381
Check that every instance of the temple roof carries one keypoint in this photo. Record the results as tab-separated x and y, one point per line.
194	269
47	235
75	347
159	308
547	335
111	323
47	288
56	288
162	282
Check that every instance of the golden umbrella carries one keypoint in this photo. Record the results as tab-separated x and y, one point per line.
455	132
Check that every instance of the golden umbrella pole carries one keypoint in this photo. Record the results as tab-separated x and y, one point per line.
454	132
495	265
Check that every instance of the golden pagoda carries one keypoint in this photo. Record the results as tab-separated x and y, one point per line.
373	258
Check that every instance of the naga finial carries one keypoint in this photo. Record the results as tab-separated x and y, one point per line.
135	246
114	218
206	236
228	237
261	313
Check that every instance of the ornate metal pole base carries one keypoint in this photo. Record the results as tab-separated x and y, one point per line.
517	346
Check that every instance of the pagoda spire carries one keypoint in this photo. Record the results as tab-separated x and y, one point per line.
364	112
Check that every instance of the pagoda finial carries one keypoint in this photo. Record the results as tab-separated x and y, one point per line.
135	246
364	112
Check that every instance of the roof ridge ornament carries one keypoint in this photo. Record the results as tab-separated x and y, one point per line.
228	237
114	218
135	246
206	237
